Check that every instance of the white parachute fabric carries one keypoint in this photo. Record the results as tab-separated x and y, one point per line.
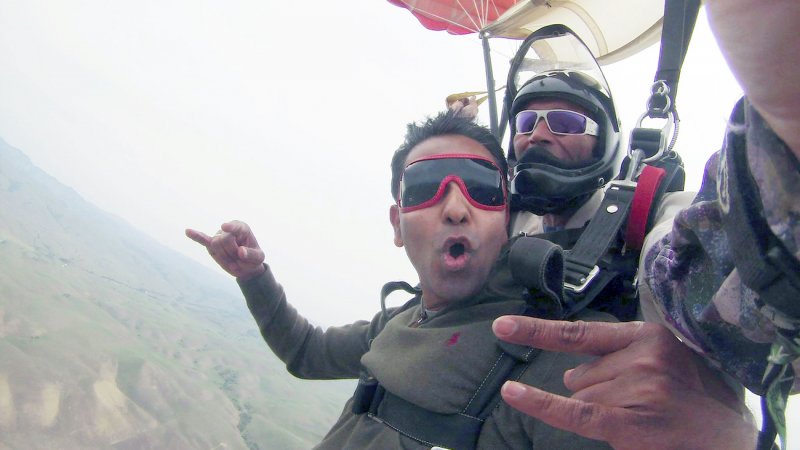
611	30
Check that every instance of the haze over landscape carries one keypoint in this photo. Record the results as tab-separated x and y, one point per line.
111	340
123	123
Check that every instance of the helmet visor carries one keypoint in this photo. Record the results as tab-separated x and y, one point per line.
558	50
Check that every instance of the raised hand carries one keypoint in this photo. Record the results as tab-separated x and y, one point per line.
234	248
647	389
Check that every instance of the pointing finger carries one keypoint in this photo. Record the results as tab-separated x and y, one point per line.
591	338
199	237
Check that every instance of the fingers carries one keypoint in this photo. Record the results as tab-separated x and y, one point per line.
627	349
586	419
251	255
234	248
198	236
235	227
225	244
652	355
242	232
592	338
646	391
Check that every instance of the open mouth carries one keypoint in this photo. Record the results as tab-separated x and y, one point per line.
457	250
456	253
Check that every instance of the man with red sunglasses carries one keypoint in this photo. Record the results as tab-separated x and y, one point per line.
426	370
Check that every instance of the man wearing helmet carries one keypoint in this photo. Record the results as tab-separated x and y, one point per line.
565	148
693	275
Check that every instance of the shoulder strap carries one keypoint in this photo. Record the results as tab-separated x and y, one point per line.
581	261
679	19
646	190
393	286
565	238
367	384
627	205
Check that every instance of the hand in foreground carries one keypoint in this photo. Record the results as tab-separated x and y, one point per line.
234	248
647	389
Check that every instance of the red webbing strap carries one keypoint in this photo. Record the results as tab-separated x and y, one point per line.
646	188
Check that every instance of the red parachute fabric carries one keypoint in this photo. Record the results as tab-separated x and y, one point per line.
455	16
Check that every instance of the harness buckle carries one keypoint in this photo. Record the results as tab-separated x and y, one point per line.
584	282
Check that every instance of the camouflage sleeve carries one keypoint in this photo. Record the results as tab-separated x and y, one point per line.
690	274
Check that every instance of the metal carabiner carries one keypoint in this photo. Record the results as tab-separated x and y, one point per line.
659	91
666	132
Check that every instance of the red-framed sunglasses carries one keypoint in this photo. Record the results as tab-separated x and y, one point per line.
424	182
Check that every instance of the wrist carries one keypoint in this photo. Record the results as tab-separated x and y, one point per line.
254	273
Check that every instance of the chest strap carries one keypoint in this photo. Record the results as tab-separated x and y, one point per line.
459	431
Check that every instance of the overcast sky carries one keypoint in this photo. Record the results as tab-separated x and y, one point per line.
180	113
189	113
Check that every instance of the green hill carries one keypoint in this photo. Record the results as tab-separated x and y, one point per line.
110	340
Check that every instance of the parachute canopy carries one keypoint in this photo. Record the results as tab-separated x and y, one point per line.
611	30
456	16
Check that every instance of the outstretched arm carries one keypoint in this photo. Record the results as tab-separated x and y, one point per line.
308	351
646	389
234	248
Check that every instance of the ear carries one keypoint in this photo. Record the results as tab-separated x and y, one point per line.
394	218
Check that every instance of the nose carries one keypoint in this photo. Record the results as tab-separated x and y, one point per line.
541	133
455	207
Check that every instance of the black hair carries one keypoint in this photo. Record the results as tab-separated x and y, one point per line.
443	124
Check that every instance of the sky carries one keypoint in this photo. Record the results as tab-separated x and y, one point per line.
187	114
178	113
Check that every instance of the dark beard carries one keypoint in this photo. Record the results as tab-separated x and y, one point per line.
537	154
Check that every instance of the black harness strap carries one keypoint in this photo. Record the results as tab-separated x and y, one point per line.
581	261
452	431
599	261
565	238
679	19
